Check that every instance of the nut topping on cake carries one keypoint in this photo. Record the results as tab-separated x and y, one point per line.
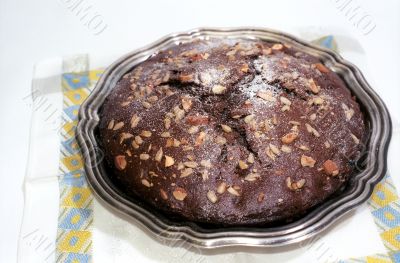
238	132
331	168
179	194
120	162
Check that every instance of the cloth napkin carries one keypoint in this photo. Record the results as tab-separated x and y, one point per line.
63	222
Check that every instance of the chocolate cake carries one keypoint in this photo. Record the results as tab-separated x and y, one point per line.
231	132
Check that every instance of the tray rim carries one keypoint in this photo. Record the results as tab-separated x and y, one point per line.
379	143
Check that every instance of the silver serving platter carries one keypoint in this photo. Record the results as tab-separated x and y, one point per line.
359	189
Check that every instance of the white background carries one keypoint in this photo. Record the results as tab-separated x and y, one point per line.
34	30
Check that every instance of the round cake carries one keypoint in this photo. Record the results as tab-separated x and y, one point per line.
231	132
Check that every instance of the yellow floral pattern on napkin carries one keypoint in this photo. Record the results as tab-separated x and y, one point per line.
74	235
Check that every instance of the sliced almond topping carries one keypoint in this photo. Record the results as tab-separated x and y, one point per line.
252	177
221	188
138	140
313	86
159	155
285	108
355	139
347	111
118	126
120	162
266	51
218	89
304	148
180	166
111	124
289	138
125	136
275	120
191	164
165	135
243	165
204	175
266	95
167	123
295	123
244	68
220	140
295	185
327	144
233	191
274	149
285	101
169	143
260	197
205	78
286	149
205	163
196	120
277	46
186	77
313	117
135	121
193	129
169	161
205	55
179	113
186	172
331	168
307	161
179	194
212	196
146	104
135	145
300	183
249	118
269	153
200	139
231	52
153	174
176	143
186	103
152	99
289	182
186	148
316	101
163	194
146	134
146	183
250	158
321	68
310	129
226	128
144	156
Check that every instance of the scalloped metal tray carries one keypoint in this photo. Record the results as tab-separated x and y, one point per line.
356	192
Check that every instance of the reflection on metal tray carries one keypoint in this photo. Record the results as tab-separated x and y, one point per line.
355	193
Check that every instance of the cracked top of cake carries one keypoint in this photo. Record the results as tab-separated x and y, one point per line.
231	132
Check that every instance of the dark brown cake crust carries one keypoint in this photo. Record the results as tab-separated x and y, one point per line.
231	132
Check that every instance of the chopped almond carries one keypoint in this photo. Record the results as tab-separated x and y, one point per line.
169	161
331	168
